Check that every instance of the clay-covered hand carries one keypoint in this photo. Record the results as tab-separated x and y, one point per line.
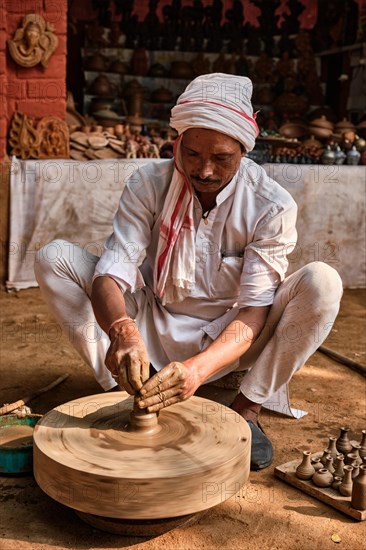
175	382
127	357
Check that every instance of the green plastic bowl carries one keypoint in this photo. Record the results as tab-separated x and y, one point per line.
16	455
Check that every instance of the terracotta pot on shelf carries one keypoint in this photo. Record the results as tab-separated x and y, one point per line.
102	86
322	122
320	133
100	104
312	142
181	69
140	62
96	62
344	125
119	67
162	95
293	130
107	118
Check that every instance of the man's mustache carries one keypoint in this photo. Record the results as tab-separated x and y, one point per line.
208	180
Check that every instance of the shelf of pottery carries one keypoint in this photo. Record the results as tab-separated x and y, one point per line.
142	83
145	84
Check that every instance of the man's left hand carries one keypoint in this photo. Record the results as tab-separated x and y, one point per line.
175	382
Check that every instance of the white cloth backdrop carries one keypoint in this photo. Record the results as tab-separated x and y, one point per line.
76	201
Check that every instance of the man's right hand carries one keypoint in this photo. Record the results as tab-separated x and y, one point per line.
127	358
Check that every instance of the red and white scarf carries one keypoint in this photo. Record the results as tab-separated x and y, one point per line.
174	273
219	102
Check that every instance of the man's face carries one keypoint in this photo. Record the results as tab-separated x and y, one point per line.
210	159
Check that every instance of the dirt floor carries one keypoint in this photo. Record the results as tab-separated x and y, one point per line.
266	514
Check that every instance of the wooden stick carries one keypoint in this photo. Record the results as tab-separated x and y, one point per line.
21	402
361	369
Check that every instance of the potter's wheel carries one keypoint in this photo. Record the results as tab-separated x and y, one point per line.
92	455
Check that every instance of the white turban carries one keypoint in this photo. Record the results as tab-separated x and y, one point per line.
218	102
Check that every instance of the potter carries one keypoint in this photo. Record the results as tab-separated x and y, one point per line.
192	284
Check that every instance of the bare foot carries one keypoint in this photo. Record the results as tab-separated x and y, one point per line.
246	408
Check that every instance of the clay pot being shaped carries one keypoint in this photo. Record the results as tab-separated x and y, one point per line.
322	478
305	469
102	86
358	500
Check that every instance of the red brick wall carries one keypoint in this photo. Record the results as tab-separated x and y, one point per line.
35	91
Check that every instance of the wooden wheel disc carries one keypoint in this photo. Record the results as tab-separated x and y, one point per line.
87	456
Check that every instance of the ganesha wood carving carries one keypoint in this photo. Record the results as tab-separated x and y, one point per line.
49	139
34	42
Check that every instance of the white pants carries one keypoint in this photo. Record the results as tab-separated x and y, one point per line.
301	317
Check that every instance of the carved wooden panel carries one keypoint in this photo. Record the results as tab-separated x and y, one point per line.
34	42
49	139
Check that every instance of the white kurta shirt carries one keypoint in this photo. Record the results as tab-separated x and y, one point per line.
241	256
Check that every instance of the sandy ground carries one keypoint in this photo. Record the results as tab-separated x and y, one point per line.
265	514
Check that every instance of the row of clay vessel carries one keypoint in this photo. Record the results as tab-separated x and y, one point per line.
342	467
